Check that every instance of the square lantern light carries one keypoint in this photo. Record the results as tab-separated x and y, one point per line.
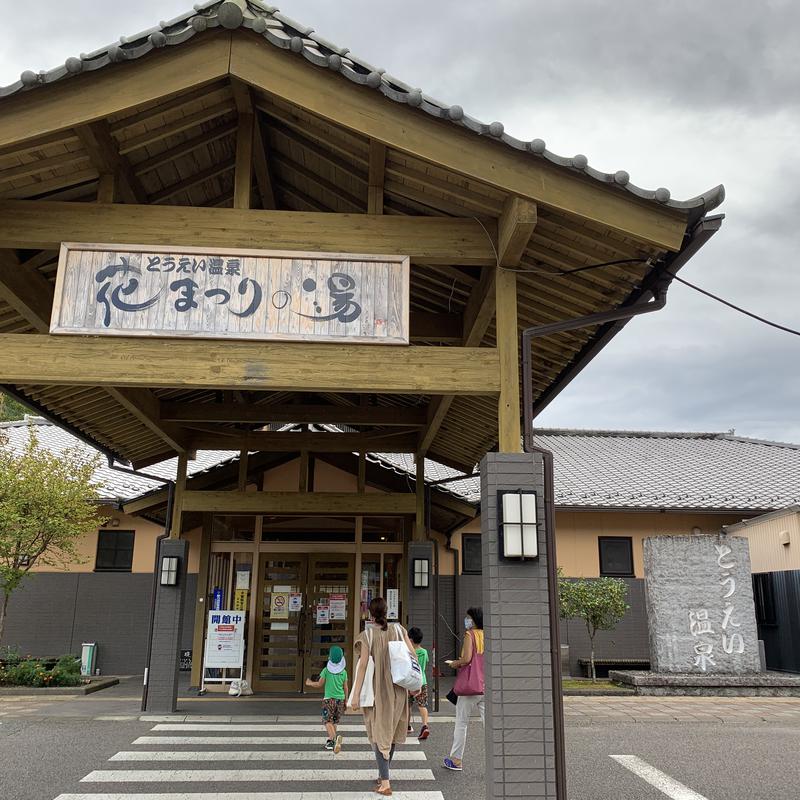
422	572
519	538
169	570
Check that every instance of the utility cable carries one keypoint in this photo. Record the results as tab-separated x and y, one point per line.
737	308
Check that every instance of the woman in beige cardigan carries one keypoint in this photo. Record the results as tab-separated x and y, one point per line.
387	720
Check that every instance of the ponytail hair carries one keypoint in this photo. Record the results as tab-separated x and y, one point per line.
377	610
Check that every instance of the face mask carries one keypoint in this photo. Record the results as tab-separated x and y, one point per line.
468	623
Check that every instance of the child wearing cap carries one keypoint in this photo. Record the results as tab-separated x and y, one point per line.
421	699
334	680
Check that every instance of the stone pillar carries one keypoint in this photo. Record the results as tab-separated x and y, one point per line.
700	609
162	679
520	741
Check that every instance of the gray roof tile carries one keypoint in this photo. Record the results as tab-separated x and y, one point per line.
284	32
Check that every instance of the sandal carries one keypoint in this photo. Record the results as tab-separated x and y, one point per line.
384	792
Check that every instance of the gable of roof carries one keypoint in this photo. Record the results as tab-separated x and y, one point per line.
283	32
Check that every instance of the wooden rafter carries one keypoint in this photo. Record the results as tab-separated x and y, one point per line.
285	442
103	151
434	240
26	290
377	170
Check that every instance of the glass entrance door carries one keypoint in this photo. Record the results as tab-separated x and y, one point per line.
304	608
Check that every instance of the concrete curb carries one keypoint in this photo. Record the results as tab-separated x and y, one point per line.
44	691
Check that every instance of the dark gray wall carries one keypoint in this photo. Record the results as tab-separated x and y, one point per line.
782	637
53	613
628	640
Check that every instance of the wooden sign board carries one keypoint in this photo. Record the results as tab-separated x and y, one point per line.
130	290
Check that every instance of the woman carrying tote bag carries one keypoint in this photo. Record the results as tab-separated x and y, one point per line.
469	685
387	720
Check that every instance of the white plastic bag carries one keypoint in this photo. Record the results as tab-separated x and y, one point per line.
240	687
367	699
406	672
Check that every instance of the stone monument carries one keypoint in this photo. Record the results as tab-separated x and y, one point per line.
700	609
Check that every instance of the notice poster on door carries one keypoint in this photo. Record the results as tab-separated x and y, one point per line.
225	640
279	605
338	606
323	615
392	603
240	597
295	601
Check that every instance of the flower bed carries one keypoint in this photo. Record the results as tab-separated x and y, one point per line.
17	670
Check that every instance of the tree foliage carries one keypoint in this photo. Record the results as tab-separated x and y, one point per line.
10	409
47	502
599	602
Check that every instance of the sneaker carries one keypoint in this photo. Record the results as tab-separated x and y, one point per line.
329	744
424	732
448	763
337	743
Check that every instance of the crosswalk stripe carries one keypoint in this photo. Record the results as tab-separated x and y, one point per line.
231	775
284	740
258	755
398	795
253	727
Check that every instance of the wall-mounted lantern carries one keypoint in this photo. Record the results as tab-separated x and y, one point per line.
169	570
422	573
519	537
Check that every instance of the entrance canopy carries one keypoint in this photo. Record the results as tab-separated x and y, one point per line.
235	127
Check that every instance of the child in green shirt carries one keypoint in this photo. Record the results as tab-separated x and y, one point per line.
334	680
421	699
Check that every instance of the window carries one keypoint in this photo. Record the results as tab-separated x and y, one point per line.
471	554
616	556
764	596
114	551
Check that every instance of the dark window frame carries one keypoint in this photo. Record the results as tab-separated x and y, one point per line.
464	569
764	599
105	533
604	573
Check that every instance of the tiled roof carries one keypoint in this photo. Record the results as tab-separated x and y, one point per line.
284	32
653	470
116	487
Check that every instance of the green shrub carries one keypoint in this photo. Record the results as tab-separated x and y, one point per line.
18	671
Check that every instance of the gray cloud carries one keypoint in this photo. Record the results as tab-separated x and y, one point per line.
679	93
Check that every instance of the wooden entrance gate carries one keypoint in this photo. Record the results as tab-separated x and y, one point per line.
290	644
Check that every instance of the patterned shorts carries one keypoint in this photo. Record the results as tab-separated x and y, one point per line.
421	699
332	710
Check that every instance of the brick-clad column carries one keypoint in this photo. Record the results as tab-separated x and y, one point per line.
520	747
420	601
162	680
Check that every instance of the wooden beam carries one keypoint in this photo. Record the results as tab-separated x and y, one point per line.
377	170
143	404
179	493
265	366
26	290
319	414
514	229
337	100
285	442
300	503
242	179
99	95
508	407
103	151
433	240
444	500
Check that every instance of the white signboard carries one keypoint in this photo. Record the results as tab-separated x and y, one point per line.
279	605
295	601
338	606
393	603
128	290
225	640
323	615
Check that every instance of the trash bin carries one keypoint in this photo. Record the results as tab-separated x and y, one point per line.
88	658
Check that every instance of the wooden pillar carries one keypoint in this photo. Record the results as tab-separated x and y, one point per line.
244	161
304	470
508	409
177	497
242	478
200	606
106	188
359	537
253	621
419	521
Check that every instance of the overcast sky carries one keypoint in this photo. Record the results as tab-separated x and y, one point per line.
680	94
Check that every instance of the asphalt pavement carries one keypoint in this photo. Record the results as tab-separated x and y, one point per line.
617	749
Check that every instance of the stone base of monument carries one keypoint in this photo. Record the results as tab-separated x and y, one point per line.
757	684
